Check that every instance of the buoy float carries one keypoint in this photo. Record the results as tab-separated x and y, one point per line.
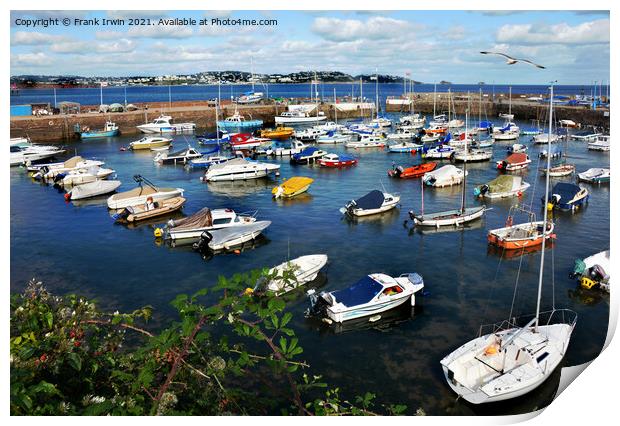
519	194
248	291
158	233
549	206
67	196
237	251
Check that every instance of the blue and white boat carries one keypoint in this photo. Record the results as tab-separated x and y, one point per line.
308	155
215	138
568	196
110	129
373	294
438	152
405	147
237	121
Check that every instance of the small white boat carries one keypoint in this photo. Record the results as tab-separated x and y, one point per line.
430	138
299	117
601	143
543	138
439	152
402	135
367	141
595	175
516	147
405	147
239	169
380	123
150	142
295	148
372	203
502	187
178	157
92	189
205	220
473	155
332	139
309	135
455	123
447	175
231	237
414	121
26	155
291	274
81	176
373	294
560	170
140	194
164	124
50	171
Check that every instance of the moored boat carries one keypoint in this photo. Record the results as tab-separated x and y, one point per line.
146	189
567	196
521	235
447	175
372	203
179	157
149	142
110	129
292	187
205	219
165	124
308	155
280	133
601	143
239	169
595	175
291	274
502	187
81	176
594	271
92	189
237	121
337	160
140	212
411	172
516	161
230	237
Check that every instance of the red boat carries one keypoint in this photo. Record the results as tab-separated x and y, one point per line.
516	161
335	160
412	172
246	141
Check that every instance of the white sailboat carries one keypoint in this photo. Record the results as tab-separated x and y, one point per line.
513	359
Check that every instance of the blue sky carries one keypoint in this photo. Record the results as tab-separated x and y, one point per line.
431	45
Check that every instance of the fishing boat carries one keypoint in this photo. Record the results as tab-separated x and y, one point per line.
137	196
237	121
299	117
405	147
372	295
595	175
164	124
230	237
179	157
279	133
205	219
140	212
518	354
292	187
291	274
601	143
239	169
567	196
246	141
521	235
594	271
366	141
149	142
81	176
516	161
411	172
447	175
309	135
502	187
438	152
27	155
294	147
516	147
309	155
337	160
110	129
92	189
332	138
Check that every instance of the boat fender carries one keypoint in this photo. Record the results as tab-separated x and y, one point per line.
519	194
67	196
158	233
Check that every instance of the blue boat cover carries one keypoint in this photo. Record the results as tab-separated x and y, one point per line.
330	133
372	200
485	124
216	149
565	190
359	293
503	129
306	151
343	157
448	138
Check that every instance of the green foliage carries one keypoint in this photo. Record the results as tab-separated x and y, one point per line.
67	357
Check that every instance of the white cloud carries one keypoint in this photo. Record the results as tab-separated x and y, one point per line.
39	59
376	27
584	33
33	38
86	47
455	32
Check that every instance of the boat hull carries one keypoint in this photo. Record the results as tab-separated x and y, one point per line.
449	218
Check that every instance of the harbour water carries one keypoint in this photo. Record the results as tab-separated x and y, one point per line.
76	248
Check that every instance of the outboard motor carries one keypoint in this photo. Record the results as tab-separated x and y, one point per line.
319	302
479	192
202	245
502	165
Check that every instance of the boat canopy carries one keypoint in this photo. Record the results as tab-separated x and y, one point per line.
231	162
504	183
565	190
359	293
485	125
72	162
201	219
445	172
448	138
505	129
517	157
305	152
223	235
296	183
372	200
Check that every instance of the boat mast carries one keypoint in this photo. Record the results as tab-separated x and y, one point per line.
335	107
464	164
101	93
252	72
217	107
480	111
510	101
542	254
411	85
434	99
377	90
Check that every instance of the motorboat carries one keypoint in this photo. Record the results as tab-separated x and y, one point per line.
206	161
516	161
447	175
502	187
109	129
516	147
292	187
279	133
601	143
92	189
594	271
337	160
309	135
50	171
521	235
299	117
239	169
294	147
438	152
291	274
179	157
308	155
205	219
164	124
228	238
371	295
246	141
586	135
81	176
372	203
567	196
149	142
366	141
594	175
439	120
380	122
332	138
21	155
472	155
401	134
219	137
146	189
329	126
237	121
140	212
544	138
251	97
411	172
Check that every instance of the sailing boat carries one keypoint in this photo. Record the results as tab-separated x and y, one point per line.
510	131
512	359
450	217
252	96
379	122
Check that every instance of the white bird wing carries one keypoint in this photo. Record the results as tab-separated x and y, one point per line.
530	62
497	53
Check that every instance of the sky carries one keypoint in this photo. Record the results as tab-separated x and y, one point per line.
429	45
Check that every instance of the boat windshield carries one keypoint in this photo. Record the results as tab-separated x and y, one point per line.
359	293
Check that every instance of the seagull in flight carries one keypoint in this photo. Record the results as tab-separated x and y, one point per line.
511	60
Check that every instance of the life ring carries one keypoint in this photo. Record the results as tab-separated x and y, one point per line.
51	123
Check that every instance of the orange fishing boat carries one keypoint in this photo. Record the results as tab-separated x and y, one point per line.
521	235
411	172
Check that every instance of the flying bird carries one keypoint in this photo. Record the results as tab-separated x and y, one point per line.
511	60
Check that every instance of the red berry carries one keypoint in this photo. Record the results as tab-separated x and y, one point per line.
43	358
77	343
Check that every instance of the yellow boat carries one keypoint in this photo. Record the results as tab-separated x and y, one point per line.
280	132
292	187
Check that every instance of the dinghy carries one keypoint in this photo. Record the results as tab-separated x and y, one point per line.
517	161
502	187
308	155
231	237
137	213
149	142
594	271
373	294
239	169
595	175
337	160
521	235
372	203
447	175
291	274
139	195
404	147
205	219
559	171
178	157
292	187
92	189
411	172
568	196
